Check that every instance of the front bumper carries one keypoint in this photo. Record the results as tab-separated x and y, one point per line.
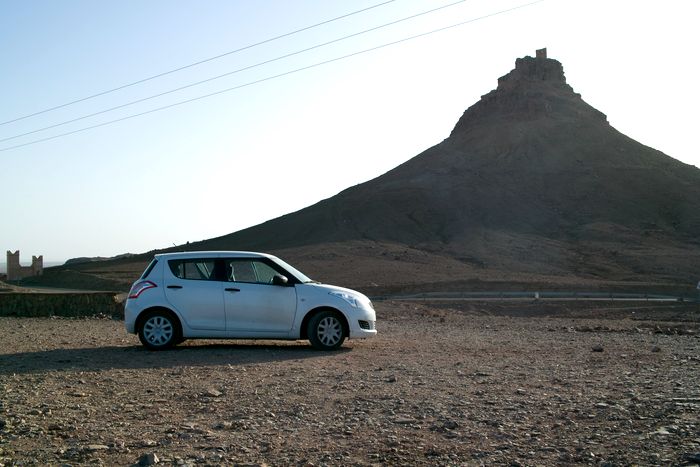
363	329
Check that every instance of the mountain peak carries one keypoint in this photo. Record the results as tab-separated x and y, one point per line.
531	69
535	89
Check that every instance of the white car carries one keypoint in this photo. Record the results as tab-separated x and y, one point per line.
240	295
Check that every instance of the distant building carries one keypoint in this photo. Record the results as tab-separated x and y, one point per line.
15	271
541	53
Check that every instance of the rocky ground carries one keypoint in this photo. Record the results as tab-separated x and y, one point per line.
442	384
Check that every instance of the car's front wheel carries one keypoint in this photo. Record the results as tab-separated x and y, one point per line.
159	330
326	330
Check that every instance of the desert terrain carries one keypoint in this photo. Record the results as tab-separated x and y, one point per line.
533	190
443	383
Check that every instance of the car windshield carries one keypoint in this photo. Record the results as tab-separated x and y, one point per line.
294	271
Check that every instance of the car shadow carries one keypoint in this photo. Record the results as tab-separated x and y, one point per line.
137	357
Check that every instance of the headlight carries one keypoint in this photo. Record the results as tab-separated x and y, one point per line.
351	299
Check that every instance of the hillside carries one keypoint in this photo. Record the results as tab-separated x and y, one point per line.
531	180
533	185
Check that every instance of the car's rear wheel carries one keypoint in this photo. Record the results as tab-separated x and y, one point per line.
159	330
326	330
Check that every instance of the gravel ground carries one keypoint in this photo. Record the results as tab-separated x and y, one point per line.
471	385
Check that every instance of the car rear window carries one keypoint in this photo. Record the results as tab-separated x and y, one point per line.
193	269
149	268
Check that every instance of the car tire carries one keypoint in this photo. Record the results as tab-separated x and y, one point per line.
326	330
159	330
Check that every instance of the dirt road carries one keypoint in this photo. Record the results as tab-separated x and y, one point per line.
485	384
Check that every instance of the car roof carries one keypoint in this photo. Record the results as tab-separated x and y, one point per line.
212	254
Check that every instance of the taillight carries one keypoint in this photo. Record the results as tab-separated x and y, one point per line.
140	287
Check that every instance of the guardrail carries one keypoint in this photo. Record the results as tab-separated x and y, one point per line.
537	295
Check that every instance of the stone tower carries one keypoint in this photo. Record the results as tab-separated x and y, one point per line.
15	271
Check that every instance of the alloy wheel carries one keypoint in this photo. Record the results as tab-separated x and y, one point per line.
158	330
329	331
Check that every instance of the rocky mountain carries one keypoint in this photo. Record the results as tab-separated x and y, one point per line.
532	187
531	180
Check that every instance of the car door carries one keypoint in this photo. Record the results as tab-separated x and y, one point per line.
252	303
192	288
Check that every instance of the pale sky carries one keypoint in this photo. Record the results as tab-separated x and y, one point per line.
220	164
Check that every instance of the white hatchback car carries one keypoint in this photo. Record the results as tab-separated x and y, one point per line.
240	295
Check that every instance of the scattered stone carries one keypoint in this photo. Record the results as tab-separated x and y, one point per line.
211	392
391	379
149	458
450	424
97	447
656	349
223	425
597	348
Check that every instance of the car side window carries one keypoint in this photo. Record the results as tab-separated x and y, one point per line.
193	269
242	271
264	272
249	270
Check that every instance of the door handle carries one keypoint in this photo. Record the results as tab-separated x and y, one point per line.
232	289
174	286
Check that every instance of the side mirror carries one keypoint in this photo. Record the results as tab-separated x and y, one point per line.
279	279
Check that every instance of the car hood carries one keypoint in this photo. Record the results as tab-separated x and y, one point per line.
335	288
326	289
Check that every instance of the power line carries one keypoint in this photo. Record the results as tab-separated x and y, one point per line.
137	101
187	101
184	67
